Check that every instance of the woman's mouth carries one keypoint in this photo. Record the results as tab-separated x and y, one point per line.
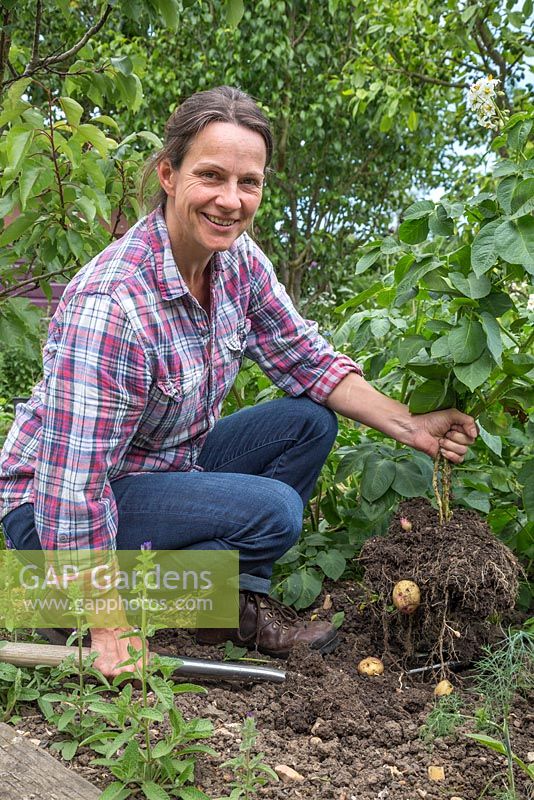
221	222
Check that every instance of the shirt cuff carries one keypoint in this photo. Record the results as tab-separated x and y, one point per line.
339	368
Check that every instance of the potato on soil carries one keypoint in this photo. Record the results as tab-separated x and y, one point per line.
370	666
443	689
406	597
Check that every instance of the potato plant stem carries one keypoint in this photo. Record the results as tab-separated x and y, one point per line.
441	484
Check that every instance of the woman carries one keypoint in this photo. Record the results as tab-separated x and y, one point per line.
122	442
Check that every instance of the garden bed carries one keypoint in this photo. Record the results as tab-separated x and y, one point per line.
347	736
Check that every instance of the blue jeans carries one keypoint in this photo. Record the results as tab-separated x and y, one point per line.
259	469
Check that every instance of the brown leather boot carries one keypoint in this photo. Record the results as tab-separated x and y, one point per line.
271	628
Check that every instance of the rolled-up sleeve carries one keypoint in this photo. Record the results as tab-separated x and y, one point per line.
287	347
95	393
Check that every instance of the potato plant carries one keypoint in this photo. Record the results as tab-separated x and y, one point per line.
448	322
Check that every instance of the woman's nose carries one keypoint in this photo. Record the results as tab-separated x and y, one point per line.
229	196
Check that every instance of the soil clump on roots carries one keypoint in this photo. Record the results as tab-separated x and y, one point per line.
468	579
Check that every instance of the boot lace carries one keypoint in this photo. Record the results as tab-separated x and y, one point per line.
272	612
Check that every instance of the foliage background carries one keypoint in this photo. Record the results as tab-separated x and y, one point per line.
368	109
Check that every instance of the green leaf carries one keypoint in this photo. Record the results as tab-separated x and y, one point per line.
115	791
332	562
162	691
68	750
170	11
311	588
386	124
409	347
72	110
467	341
514	241
123	64
518	364
163	749
87	207
440	347
413	120
367	260
191	793
440	223
18	142
360	298
505	190
402	266
506	167
528	500
488	741
292	588
523	198
93	135
473	375
493	336
478	500
422	208
493	442
429	369
17	228
152	791
234	12
483	253
496	303
471	286
429	396
409	481
379	327
414	231
378	475
338	619
518	134
27	179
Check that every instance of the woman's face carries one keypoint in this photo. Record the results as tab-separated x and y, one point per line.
213	197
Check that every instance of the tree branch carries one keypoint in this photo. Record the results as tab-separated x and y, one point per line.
36	35
45	62
426	78
5	43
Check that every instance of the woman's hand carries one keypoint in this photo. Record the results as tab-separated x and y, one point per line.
113	650
449	432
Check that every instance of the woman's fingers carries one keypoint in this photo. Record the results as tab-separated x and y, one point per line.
458	437
454	445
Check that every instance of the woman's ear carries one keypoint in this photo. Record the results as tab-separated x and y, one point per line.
166	175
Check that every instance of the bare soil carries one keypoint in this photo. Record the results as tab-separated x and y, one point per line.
352	737
349	737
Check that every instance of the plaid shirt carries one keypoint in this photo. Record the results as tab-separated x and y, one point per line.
135	373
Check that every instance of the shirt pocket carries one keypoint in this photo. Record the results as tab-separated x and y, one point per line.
173	408
232	351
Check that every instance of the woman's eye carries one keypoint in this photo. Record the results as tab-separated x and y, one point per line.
209	175
251	182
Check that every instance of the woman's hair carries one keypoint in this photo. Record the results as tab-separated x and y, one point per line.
222	104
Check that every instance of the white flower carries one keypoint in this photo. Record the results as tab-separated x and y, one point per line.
482	98
530	304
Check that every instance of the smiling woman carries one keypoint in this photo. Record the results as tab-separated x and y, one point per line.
122	440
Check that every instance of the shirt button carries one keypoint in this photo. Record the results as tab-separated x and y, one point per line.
63	537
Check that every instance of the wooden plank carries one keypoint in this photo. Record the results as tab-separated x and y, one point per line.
27	772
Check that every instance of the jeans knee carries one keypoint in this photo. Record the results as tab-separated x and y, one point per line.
321	419
285	514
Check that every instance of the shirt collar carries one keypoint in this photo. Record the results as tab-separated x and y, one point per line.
170	281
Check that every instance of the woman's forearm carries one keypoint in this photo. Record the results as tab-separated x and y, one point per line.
356	399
